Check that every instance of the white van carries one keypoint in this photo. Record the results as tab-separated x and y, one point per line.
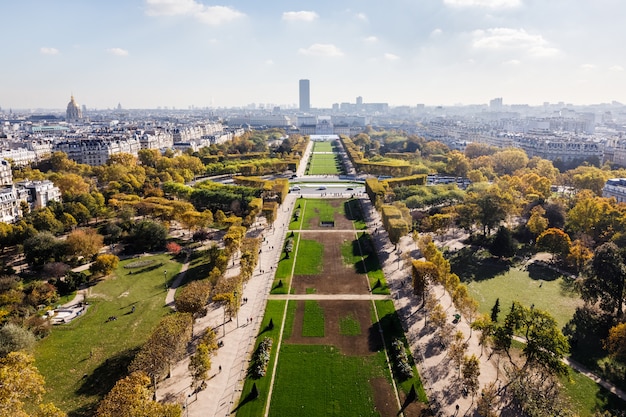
296	188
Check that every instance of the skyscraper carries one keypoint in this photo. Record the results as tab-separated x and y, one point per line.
305	96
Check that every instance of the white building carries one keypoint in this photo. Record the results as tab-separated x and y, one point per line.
615	187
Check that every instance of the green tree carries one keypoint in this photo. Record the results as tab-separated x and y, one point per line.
537	223
503	245
14	338
200	365
605	282
41	248
554	241
148	235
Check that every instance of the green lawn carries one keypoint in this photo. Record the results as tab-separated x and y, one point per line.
315	380
274	311
554	296
349	326
322	146
309	257
324	164
392	329
351	253
284	268
313	321
352	208
587	397
82	360
318	209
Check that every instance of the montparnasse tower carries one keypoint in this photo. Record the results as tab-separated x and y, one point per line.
73	112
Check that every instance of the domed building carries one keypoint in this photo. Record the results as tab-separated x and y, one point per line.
73	112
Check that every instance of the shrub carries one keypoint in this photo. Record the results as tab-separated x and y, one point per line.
401	360
261	358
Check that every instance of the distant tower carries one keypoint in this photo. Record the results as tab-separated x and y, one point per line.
73	112
359	101
496	104
305	96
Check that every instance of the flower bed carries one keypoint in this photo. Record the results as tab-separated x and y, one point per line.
140	264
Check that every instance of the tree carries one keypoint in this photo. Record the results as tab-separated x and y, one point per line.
458	349
579	256
148	235
20	381
131	397
423	273
14	338
503	245
606	279
495	310
616	342
84	242
104	264
470	370
200	365
554	241
510	160
193	297
537	223
486	327
487	401
41	248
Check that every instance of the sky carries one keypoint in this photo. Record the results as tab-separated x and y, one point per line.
209	53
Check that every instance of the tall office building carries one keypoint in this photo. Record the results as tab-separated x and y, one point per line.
305	96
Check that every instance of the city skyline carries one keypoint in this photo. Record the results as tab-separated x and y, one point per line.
181	53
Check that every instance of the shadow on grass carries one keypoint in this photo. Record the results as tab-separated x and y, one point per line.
86	410
352	208
537	271
252	395
470	265
104	377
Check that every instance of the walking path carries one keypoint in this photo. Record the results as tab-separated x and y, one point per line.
238	336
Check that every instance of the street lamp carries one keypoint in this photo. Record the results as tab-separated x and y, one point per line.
165	275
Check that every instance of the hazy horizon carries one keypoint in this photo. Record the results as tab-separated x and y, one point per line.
146	54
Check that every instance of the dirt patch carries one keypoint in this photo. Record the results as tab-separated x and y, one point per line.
384	399
362	344
336	277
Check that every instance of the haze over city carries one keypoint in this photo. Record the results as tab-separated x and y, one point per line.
181	53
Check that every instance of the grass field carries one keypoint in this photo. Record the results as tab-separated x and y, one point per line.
349	326
351	253
552	294
102	351
342	385
322	146
392	329
309	257
274	311
587	397
313	322
324	164
284	268
318	209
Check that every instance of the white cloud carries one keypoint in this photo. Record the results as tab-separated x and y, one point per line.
49	51
512	62
210	15
117	51
269	62
491	4
321	49
587	67
391	57
362	16
512	39
371	39
301	16
435	33
616	68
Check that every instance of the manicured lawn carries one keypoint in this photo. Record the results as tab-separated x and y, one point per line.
99	350
324	164
313	321
274	311
289	319
315	209
309	257
284	268
349	326
587	397
322	146
554	296
352	208
314	380
392	329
